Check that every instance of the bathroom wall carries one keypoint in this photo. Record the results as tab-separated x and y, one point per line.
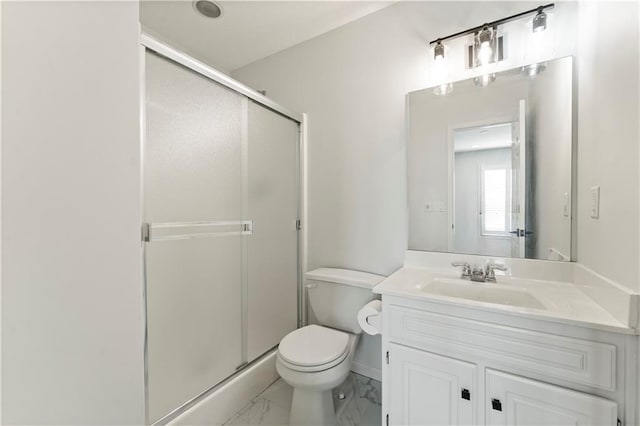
72	306
608	135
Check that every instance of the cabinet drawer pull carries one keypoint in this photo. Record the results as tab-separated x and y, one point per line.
465	394
496	404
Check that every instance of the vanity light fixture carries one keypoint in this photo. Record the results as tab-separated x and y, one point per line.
487	46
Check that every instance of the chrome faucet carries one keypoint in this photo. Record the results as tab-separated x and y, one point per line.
479	274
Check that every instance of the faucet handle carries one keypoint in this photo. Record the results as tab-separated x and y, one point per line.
490	268
466	268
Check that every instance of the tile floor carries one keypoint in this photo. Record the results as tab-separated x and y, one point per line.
361	405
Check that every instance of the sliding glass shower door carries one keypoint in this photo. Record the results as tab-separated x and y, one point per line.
220	206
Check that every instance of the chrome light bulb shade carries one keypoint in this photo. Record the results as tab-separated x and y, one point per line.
438	51
539	21
485	35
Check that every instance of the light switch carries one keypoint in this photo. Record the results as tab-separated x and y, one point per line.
595	202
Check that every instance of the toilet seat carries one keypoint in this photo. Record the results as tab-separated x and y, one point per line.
313	348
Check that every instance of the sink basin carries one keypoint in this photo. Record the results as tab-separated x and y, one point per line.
483	292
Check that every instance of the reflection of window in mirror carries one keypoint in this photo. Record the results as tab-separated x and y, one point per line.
495	209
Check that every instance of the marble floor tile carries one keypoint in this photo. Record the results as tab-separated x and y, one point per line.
261	412
360	407
279	393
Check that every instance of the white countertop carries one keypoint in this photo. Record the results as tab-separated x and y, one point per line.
556	301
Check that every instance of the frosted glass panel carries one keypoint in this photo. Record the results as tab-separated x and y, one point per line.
193	159
193	148
272	204
194	318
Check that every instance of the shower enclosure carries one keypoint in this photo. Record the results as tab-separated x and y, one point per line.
220	227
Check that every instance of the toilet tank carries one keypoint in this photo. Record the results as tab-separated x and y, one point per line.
336	296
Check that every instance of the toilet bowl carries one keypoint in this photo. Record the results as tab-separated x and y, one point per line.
317	358
314	360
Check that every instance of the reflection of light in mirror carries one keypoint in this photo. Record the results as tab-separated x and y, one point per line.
443	89
484	80
533	70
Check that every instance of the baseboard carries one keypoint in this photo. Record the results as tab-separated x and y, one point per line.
226	400
367	371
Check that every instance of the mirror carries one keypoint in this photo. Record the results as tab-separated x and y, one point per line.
505	150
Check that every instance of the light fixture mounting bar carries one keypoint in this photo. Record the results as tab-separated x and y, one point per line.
495	23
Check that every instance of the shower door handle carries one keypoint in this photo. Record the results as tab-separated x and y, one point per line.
170	231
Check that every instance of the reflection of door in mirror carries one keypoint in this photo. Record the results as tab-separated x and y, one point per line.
486	190
518	165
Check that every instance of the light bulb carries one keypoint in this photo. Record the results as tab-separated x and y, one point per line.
485	53
484	49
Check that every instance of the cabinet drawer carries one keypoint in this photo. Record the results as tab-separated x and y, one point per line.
580	361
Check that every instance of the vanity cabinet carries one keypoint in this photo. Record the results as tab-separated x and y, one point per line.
460	366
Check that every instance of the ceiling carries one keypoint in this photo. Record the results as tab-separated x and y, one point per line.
248	30
483	137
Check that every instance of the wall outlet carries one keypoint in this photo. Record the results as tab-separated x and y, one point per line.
595	202
434	207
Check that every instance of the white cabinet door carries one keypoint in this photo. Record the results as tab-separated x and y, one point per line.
427	389
513	400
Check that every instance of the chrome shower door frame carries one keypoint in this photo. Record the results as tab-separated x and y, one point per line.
246	226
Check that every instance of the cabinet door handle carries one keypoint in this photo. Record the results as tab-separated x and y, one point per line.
465	394
496	404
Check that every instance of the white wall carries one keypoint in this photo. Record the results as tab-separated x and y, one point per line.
72	308
608	135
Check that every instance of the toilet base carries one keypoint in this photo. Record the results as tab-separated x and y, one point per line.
312	408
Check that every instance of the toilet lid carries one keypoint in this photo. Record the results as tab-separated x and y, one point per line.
313	345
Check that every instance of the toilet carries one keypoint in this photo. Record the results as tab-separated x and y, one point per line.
317	358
